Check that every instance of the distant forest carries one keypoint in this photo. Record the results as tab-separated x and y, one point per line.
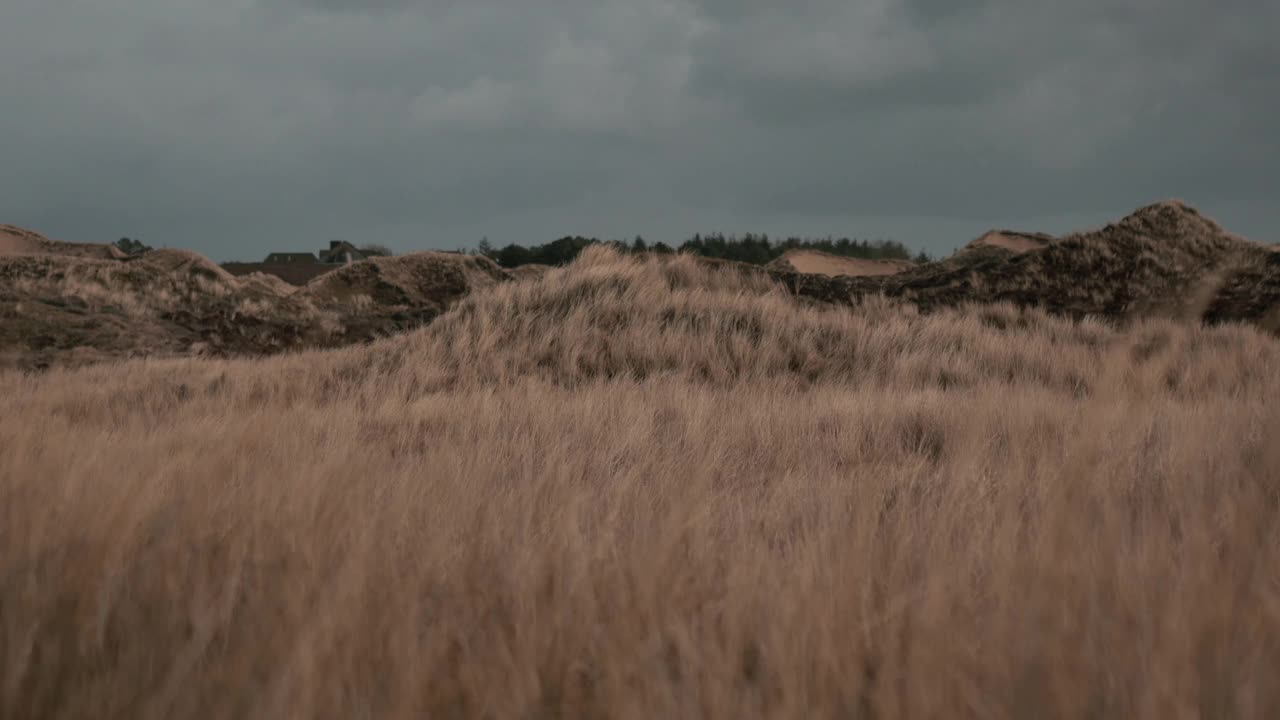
749	248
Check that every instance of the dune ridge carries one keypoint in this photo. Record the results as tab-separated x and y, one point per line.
1164	260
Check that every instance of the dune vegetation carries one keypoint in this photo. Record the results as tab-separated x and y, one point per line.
62	307
641	487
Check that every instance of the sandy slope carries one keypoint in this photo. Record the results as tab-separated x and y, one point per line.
1012	240
18	241
815	262
532	271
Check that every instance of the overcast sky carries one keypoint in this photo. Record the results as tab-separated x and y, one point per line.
238	127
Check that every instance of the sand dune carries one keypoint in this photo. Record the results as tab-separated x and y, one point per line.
18	241
1163	260
66	303
531	271
1018	242
14	241
815	262
422	279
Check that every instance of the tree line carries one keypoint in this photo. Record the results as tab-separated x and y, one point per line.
756	249
132	246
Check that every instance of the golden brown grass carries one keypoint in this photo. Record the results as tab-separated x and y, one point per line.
652	489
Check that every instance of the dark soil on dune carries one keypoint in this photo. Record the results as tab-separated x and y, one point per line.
74	308
1163	260
298	274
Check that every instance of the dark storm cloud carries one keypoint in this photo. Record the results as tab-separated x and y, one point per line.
243	125
1035	106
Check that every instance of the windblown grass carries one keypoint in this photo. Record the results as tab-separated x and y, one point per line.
651	489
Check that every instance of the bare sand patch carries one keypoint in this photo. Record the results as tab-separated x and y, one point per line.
1018	242
19	241
814	262
532	271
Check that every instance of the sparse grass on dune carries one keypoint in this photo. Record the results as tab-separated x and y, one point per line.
1164	260
64	310
651	489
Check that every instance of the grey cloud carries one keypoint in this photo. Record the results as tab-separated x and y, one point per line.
231	126
1050	103
358	6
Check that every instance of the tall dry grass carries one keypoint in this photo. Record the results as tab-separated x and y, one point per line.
649	489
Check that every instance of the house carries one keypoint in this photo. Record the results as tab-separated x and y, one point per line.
340	252
290	257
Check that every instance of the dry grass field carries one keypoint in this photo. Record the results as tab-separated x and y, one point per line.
645	488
